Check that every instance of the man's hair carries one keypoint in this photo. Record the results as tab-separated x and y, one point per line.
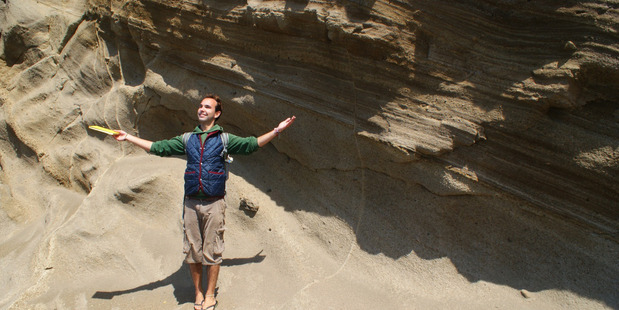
218	106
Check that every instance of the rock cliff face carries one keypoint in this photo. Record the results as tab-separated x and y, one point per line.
481	132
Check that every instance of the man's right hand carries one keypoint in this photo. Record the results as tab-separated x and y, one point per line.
121	136
143	143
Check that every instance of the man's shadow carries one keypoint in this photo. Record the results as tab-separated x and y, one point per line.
180	280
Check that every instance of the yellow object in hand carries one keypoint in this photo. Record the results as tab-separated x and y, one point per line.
104	130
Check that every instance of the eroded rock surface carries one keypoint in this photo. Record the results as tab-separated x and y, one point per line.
437	145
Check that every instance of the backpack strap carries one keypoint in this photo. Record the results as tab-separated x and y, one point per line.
224	153
224	140
186	137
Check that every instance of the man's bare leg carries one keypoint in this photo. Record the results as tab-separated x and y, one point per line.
211	278
196	277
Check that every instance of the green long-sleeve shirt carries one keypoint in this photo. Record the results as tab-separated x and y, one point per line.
175	146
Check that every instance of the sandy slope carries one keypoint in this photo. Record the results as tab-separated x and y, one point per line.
112	254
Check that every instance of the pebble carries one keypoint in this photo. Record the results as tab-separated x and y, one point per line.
248	205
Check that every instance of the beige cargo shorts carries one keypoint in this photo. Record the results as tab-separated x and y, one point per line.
204	225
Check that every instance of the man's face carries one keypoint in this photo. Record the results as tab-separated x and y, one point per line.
206	111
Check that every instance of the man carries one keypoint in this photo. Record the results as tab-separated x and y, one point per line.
205	176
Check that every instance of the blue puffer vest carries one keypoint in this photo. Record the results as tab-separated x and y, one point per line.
205	166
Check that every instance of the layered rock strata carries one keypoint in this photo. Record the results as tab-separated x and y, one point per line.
482	131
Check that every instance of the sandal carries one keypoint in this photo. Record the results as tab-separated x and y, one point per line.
212	306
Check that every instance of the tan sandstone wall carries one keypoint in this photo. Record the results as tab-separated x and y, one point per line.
451	153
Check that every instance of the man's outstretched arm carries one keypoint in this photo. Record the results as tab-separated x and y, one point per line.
143	143
267	137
